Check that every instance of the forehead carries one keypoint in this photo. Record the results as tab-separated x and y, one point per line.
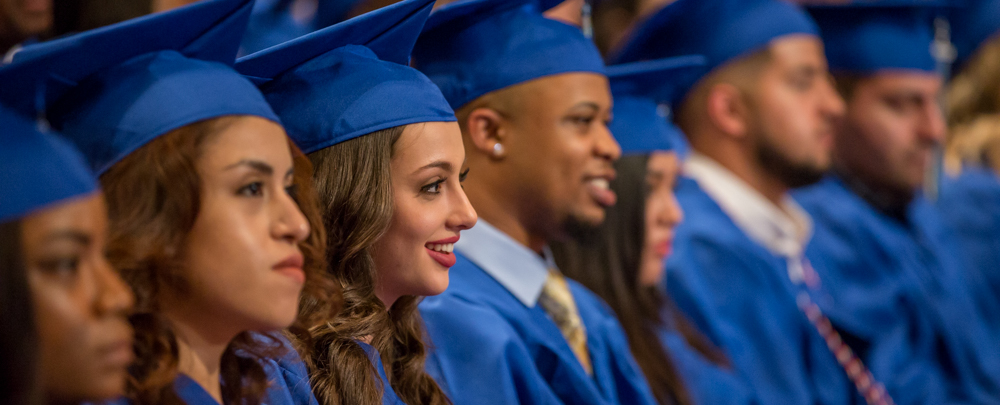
248	138
910	81
566	89
428	142
85	214
797	51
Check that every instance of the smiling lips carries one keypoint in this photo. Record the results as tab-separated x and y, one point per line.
599	189
442	251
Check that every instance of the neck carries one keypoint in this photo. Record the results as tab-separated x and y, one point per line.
773	189
200	353
886	200
504	216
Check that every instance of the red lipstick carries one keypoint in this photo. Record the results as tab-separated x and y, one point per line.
292	267
442	251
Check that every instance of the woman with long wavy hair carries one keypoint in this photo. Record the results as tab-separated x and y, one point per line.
622	260
213	219
65	337
388	156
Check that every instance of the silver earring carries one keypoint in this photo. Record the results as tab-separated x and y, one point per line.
497	149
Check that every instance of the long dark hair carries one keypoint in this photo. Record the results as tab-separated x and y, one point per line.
353	179
607	260
154	195
18	348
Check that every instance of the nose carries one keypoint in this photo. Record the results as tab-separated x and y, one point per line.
932	128
463	216
833	105
114	296
672	214
290	223
607	147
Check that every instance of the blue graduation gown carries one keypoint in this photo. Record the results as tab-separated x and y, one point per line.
389	396
739	294
706	382
970	204
898	290
288	378
487	347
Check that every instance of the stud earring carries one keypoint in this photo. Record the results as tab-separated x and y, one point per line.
497	149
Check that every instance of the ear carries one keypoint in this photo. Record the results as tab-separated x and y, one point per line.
727	109
485	132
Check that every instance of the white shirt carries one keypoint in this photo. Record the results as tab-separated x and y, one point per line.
784	230
519	269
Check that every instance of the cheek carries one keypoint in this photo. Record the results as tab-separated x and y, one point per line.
65	337
402	258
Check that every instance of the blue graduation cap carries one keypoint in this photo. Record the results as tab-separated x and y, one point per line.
350	79
721	30
473	47
640	89
271	22
114	89
972	24
867	37
37	169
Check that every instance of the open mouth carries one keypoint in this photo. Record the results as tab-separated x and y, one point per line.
599	189
442	251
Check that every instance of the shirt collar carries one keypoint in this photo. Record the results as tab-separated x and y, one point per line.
520	270
784	230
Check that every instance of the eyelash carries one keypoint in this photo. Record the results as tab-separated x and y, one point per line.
436	186
254	189
61	266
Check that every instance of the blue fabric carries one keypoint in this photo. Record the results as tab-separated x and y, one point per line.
518	269
707	383
970	205
473	47
389	396
639	90
114	89
971	25
350	79
271	22
900	290
487	347
740	296
37	169
692	27
867	37
287	376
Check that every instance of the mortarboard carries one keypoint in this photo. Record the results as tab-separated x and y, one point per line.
473	47
114	89
640	89
972	24
721	30
271	22
37	169
350	79
866	37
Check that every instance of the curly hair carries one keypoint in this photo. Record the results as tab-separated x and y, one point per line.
973	107
153	198
355	188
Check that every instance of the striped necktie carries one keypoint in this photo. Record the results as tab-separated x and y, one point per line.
557	301
866	384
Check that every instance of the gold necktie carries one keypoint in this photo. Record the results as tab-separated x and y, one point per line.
557	301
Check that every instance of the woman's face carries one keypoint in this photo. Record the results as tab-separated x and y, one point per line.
429	210
81	305
663	213
242	264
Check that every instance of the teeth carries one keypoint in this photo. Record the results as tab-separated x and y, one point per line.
603	184
443	247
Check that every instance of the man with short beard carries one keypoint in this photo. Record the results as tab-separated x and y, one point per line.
760	123
533	103
895	280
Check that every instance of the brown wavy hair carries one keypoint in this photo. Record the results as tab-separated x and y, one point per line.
973	107
607	260
154	195
355	188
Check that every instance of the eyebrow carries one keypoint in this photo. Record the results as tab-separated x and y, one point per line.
258	166
446	166
72	235
590	104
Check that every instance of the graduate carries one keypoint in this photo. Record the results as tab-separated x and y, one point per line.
759	123
895	280
389	165
59	292
273	22
213	219
622	261
510	329
970	195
